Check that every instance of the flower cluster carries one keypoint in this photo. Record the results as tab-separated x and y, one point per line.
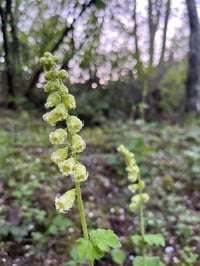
67	140
134	177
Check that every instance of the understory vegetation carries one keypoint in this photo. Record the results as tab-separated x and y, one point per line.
33	233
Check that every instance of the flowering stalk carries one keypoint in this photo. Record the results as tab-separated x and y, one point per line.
138	200
67	140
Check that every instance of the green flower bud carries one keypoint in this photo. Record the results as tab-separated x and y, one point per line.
66	201
48	55
50	75
69	101
59	155
58	136
134	206
62	74
80	173
66	167
74	124
78	144
53	100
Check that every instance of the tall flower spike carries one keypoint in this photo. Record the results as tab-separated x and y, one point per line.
133	177
60	101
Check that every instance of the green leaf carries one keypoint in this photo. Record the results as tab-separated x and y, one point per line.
118	256
154	239
87	249
150	261
149	239
137	240
104	239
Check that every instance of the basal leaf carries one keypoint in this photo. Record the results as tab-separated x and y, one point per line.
104	239
87	250
149	239
150	261
154	239
118	256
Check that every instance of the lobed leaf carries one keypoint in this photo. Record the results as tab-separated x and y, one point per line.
104	239
149	239
154	239
150	261
88	250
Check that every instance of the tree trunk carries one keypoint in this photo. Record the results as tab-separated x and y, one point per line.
139	66
9	75
192	82
167	13
154	8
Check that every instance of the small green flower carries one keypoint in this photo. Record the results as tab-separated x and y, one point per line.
58	136
59	155
66	201
69	101
74	124
132	177
63	90
53	100
50	75
59	113
62	74
80	173
66	167
51	86
134	187
48	60
78	144
144	197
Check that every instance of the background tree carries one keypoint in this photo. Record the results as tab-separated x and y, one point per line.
192	82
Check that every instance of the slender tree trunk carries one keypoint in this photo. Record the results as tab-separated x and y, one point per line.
139	66
192	82
9	75
154	7
167	14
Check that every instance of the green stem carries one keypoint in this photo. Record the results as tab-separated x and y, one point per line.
80	205
142	227
82	215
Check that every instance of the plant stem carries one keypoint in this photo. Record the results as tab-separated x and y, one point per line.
142	228
82	215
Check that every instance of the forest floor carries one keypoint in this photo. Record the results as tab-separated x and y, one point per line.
33	233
